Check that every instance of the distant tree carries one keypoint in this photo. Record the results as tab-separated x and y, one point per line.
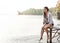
53	11
58	11
58	8
33	11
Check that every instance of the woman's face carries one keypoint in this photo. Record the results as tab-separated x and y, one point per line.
45	10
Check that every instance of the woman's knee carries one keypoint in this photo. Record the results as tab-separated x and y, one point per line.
43	28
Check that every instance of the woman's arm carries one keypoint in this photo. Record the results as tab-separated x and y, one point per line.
44	21
50	18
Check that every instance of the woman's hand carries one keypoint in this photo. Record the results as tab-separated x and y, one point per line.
44	24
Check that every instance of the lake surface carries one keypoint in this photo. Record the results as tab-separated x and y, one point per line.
19	26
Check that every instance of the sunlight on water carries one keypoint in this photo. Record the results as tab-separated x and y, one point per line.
24	25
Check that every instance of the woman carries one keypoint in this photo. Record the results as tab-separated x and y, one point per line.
47	22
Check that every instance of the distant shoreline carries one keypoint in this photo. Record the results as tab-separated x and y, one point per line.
29	14
33	14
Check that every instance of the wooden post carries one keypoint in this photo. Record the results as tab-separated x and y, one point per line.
51	35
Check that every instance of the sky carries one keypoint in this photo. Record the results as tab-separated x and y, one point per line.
12	6
36	4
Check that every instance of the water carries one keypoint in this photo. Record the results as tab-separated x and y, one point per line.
18	26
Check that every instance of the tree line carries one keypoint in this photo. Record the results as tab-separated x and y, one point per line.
33	11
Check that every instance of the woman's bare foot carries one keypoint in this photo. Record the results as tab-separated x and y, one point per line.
40	39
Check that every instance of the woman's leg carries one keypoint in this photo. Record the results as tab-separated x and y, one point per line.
47	26
46	29
42	31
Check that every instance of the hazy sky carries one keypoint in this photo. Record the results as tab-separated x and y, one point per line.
26	4
11	6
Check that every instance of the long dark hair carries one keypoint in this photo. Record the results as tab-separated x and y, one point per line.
45	13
